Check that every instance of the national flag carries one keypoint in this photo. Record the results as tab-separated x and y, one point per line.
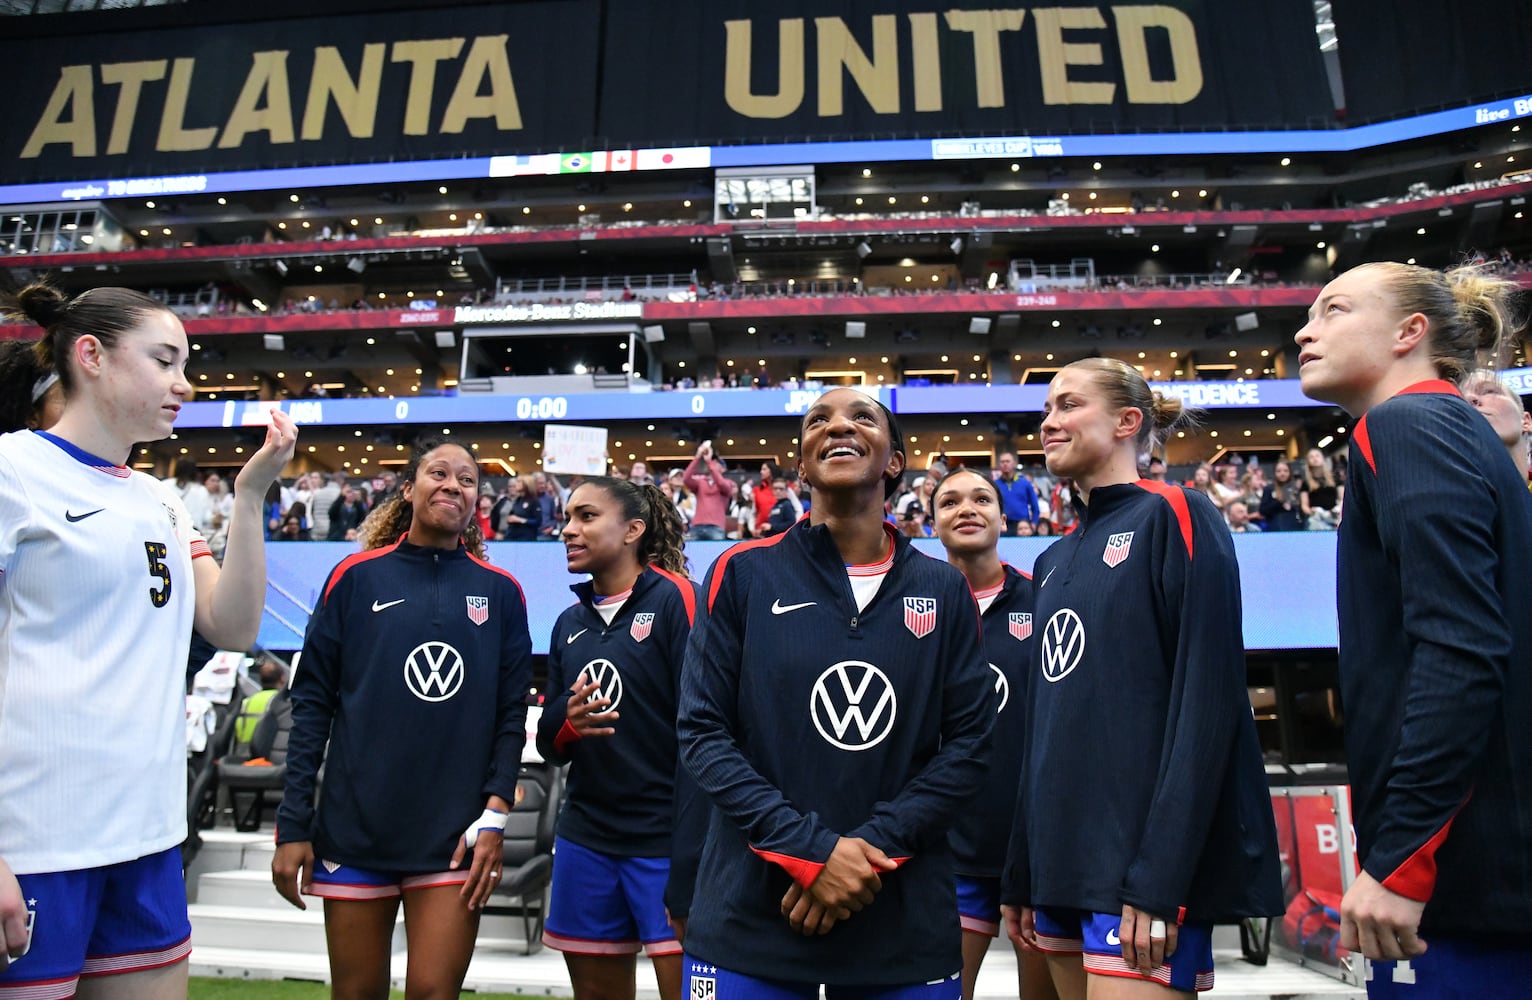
619	159
676	158
575	163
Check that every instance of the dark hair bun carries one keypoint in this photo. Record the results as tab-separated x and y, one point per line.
42	304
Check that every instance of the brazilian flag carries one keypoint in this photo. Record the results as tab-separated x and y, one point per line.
575	163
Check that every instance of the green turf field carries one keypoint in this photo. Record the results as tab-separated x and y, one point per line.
286	989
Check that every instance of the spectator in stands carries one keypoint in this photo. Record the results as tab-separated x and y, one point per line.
782	514
1225	489
765	496
524	516
272	676
925	488
550	505
711	489
1281	506
619	471
1156	470
324	498
1320	498
30	393
188	486
639	474
1018	497
421	763
912	523
483	506
1045	528
1027	529
686	503
1435	633
346	515
294	526
303	490
1237	514
92	879
1062	507
1505	412
1252	486
273	507
742	510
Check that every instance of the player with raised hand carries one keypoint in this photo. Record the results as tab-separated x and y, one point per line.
412	693
836	708
1435	638
1144	816
627	836
102	579
969	521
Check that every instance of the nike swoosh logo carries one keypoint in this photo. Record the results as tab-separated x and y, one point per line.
778	608
80	517
380	606
1112	938
570	641
1040	586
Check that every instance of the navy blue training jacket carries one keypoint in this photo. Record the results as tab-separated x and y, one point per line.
1435	575
806	720
1143	782
415	668
982	833
627	794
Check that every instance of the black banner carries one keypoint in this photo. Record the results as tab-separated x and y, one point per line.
741	71
408	85
1402	57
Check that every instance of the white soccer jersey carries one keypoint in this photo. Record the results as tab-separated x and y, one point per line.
96	608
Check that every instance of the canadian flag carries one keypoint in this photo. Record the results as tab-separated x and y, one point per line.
620	159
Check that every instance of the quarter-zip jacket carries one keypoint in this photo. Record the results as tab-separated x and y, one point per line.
416	669
626	793
805	720
1142	782
983	832
1436	662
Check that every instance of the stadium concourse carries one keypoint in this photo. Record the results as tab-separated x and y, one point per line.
514	227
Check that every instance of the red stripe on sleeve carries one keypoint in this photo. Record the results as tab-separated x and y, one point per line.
803	872
1176	497
1416	878
1363	443
688	595
565	736
722	561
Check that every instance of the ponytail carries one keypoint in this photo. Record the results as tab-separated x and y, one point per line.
104	313
1469	312
1124	388
663	542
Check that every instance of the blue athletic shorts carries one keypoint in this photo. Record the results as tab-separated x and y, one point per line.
709	982
979	904
331	880
607	904
1093	936
106	921
1453	967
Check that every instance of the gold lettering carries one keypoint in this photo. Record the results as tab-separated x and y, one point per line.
486	57
1055	57
790	66
131	76
986	26
356	100
76	91
423	56
926	56
1185	59
174	137
877	78
268	80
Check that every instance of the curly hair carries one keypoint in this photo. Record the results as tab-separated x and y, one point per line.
391	518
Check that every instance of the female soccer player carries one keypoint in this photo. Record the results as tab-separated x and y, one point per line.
1505	412
30	394
1139	697
615	657
836	708
1435	639
415	671
101	582
969	522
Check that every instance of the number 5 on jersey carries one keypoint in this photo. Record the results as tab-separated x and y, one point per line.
159	597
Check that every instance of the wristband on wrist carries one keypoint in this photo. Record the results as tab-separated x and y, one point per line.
490	819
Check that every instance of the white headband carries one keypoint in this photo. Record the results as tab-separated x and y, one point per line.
41	386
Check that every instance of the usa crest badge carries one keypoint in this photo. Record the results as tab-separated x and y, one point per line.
1021	626
478	610
643	623
1117	548
920	615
